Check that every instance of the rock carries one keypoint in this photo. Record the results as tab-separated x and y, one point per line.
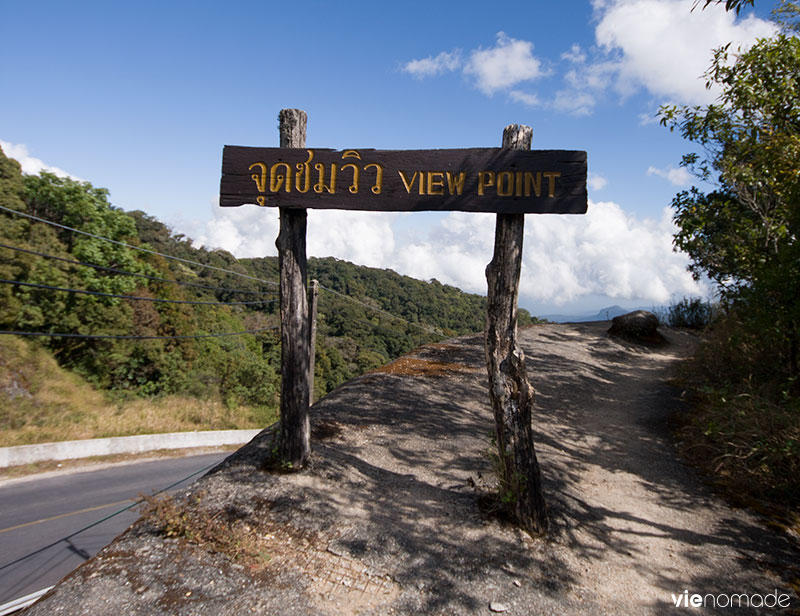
496	606
637	326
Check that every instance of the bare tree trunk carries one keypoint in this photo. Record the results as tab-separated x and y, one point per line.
295	441
510	392
312	345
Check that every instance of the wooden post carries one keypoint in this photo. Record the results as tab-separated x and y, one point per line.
295	442
510	392
312	345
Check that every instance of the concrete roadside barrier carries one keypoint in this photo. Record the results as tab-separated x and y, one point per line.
71	450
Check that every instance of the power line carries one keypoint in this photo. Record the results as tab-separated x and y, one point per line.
227	271
132	247
139	501
126	273
126	337
132	297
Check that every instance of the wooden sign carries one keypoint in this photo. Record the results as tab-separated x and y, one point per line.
471	180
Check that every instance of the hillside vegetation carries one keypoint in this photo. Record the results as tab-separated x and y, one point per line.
744	428
190	359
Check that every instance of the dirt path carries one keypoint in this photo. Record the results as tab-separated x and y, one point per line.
387	518
638	526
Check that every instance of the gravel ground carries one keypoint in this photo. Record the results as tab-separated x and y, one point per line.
393	516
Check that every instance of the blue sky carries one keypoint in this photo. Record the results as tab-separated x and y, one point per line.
141	97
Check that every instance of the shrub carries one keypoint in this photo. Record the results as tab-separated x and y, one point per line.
693	313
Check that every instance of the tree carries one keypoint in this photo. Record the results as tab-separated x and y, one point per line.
744	235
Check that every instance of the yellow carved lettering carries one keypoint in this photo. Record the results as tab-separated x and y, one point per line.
551	186
304	170
260	178
320	186
505	183
276	179
533	180
376	189
456	184
354	186
518	184
408	184
435	182
485	178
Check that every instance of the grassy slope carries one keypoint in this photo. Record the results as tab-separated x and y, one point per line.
41	402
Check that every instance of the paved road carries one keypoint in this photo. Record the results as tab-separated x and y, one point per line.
39	512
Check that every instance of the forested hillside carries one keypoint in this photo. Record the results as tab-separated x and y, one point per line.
149	315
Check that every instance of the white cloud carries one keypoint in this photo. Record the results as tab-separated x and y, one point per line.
29	164
365	238
661	47
665	47
525	98
605	252
245	231
585	84
445	62
575	54
678	177
499	68
597	182
575	102
505	65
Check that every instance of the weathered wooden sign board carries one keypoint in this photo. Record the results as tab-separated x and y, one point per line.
497	180
511	181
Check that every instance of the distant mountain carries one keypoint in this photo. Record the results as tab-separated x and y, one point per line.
604	314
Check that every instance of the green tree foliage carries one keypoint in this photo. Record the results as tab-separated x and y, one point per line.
11	191
744	427
240	369
744	235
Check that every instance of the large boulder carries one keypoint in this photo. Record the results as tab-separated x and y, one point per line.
637	326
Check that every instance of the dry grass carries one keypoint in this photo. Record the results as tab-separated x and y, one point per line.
228	531
415	366
40	403
744	437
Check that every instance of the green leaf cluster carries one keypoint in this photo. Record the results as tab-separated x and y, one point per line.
744	234
240	369
744	425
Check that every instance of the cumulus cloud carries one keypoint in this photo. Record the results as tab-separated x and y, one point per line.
665	47
365	238
575	54
29	164
661	47
576	102
508	63
597	182
678	177
525	98
499	68
445	62
605	252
